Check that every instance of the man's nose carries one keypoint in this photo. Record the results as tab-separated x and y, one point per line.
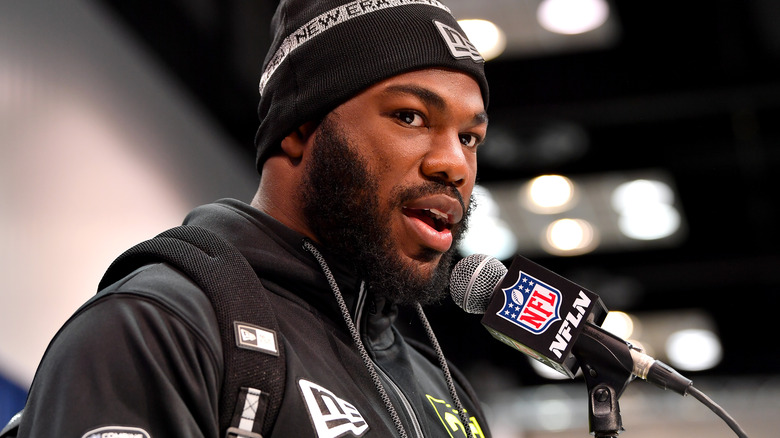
447	161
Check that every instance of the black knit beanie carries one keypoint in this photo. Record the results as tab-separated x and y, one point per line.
326	51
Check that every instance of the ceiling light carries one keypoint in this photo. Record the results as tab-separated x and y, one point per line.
487	232
545	371
548	194
650	223
694	349
488	38
571	17
570	237
488	235
619	324
646	209
641	192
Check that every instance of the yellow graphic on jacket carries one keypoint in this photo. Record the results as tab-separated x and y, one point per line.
451	421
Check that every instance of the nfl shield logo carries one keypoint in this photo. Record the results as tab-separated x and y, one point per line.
531	304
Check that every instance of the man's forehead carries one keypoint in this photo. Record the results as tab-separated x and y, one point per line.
436	88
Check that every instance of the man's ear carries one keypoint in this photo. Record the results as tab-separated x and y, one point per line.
294	144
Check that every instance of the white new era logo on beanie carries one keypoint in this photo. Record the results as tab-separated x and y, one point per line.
459	45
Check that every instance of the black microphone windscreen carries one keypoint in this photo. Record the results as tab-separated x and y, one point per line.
473	280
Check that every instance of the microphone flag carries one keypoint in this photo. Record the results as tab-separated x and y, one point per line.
541	314
531	304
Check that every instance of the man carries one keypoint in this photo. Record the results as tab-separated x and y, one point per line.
371	114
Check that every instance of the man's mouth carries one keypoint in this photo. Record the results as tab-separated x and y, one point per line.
434	218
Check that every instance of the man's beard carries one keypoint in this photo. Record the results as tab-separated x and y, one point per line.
340	197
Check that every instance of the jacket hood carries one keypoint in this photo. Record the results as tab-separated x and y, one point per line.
277	254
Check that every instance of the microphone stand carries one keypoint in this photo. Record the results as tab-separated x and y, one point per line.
607	365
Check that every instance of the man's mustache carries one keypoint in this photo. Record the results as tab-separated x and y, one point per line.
402	195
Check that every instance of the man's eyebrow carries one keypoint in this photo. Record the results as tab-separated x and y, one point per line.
481	118
430	98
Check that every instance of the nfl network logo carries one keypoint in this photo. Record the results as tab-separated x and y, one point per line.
531	304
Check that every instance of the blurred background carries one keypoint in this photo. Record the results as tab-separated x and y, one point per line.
631	149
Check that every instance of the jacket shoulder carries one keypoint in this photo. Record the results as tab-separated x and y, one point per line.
147	343
170	288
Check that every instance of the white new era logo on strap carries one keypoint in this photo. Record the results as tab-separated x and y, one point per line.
253	337
331	416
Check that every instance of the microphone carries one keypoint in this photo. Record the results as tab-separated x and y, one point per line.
557	322
549	318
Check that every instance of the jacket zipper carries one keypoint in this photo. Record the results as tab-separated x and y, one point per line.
407	406
356	333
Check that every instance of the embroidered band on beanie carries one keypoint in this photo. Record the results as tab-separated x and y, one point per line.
326	51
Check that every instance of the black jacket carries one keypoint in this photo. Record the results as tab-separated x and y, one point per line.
144	356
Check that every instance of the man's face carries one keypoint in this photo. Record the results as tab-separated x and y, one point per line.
388	175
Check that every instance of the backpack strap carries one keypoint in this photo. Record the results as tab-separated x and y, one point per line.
253	383
12	428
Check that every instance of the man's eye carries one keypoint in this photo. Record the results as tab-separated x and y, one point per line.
469	140
410	118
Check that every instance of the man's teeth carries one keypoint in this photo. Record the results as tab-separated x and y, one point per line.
438	215
440	221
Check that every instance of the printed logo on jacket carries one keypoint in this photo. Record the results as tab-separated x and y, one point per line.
331	416
451	420
116	432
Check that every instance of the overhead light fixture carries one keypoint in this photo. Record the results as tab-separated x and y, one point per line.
640	192
570	237
646	210
488	235
488	38
619	324
545	371
548	194
652	223
487	232
694	349
571	17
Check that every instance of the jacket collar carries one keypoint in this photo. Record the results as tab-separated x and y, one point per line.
277	255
